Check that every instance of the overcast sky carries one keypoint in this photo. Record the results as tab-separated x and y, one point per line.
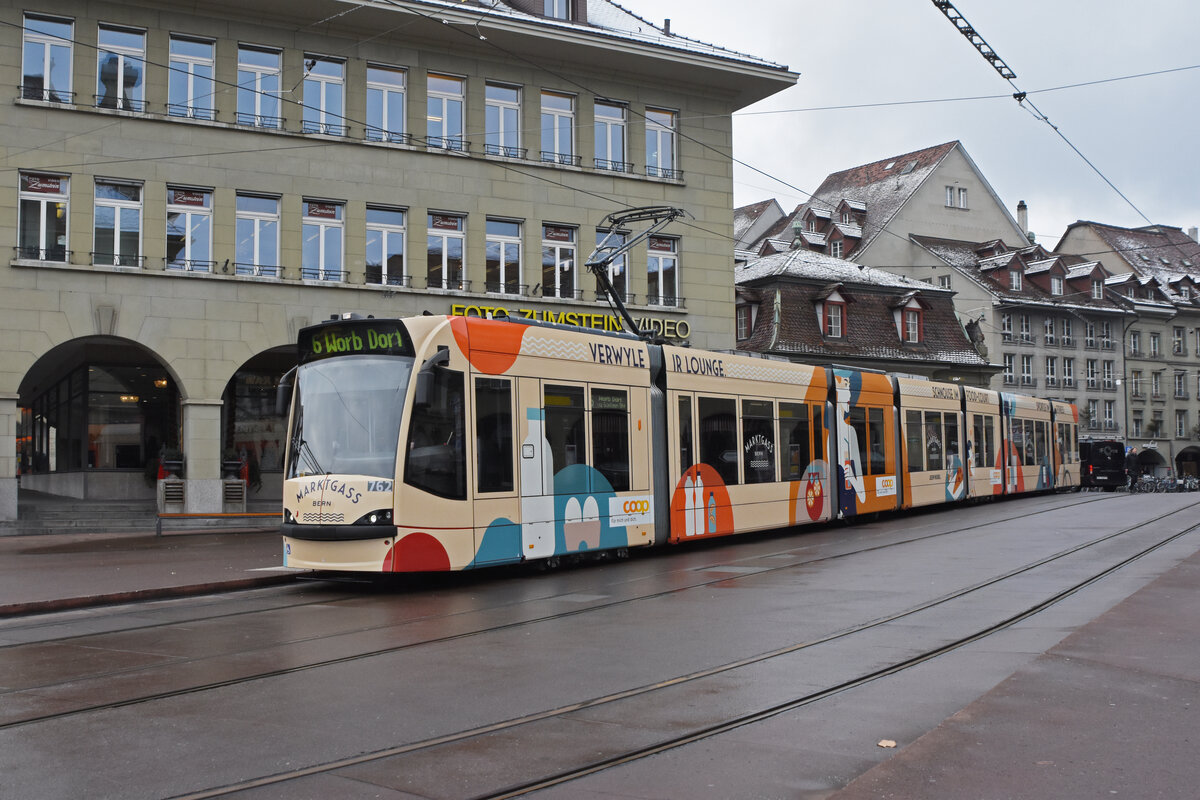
1143	134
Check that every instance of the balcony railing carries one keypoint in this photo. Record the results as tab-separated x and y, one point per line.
317	274
663	172
506	287
326	128
391	137
259	120
119	103
562	159
376	277
454	143
35	253
257	270
35	91
191	111
450	285
613	166
117	260
1010	380
507	151
190	264
665	301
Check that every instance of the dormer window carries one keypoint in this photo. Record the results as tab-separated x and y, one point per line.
810	225
835	249
1097	290
1056	285
557	9
1014	280
832	313
912	325
743	322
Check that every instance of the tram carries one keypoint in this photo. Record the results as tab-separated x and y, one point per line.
439	443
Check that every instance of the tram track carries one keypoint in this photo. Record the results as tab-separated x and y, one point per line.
534	620
470	738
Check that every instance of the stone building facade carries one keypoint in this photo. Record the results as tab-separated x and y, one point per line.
186	186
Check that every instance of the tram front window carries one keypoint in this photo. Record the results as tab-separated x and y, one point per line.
346	417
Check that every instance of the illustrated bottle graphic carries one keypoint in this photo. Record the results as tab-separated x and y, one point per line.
712	512
689	504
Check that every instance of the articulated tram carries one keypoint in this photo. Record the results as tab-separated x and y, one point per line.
447	443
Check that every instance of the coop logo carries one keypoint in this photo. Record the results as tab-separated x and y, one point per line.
630	511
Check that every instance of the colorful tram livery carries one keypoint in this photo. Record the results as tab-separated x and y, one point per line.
448	443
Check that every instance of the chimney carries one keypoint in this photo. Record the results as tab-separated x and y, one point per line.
1192	232
667	26
1023	216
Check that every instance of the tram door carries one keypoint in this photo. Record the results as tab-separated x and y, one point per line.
536	473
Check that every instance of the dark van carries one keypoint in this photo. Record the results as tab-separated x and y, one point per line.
1102	463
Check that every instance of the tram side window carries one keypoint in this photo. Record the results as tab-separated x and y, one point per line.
914	441
950	420
793	438
565	430
1030	444
436	458
718	437
985	439
978	458
818	429
1041	442
934	449
758	441
878	458
858	423
494	435
686	458
610	436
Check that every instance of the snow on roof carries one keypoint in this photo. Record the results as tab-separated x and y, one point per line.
819	266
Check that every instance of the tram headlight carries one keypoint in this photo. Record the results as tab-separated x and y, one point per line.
380	517
287	516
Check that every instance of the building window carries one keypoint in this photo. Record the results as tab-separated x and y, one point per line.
1048	327
46	59
1014	280
1006	327
503	253
1091	374
558	261
1181	385
950	197
321	241
1135	383
912	325
385	104
1097	290
324	89
956	197
1156	384
835	319
610	136
121	69
1177	341
1155	345
1067	338
189	229
190	82
558	128
1068	372
944	282
557	9
258	87
1051	371
444	246
117	238
1137	424
43	227
1109	407
662	271
835	248
502	133
385	246
660	144
1181	426
1026	328
743	322
1135	343
1093	413
1056	285
616	267
1106	335
1009	369
1108	375
257	231
1027	370
444	112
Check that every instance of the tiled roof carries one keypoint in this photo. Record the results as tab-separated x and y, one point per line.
802	278
881	186
1161	253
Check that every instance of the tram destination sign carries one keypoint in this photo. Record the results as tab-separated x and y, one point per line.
355	337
